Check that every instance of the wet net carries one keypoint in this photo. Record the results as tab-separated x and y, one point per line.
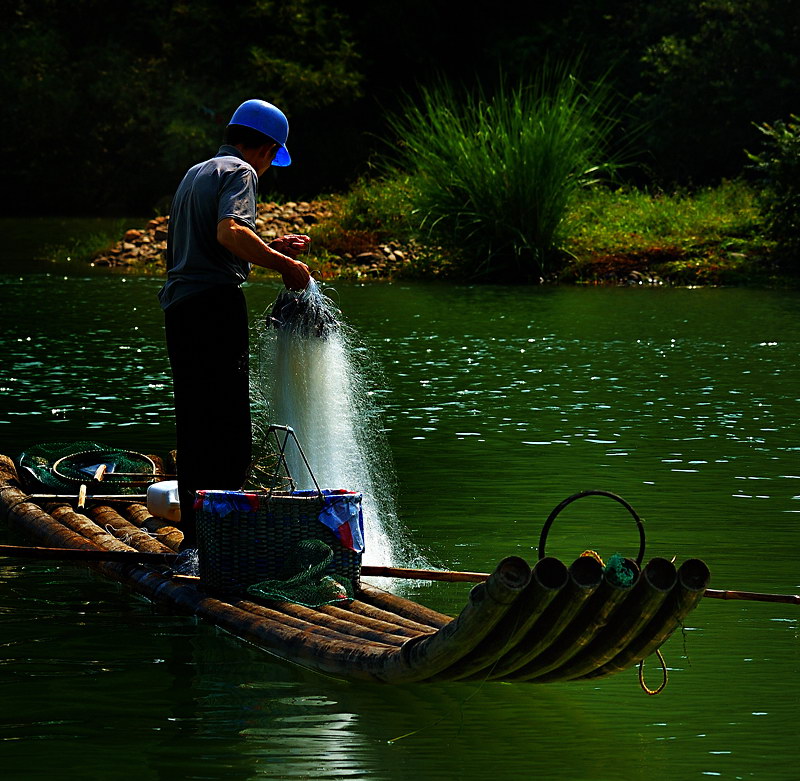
310	587
65	466
306	313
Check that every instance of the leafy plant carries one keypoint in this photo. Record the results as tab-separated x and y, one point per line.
779	165
496	175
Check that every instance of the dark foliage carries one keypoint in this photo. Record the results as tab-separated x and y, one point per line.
779	165
102	107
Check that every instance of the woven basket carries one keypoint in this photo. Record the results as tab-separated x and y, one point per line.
255	538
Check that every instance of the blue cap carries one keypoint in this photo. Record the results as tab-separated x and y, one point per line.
269	120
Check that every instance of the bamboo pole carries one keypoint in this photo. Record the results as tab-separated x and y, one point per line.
88	497
305	620
753	596
371	611
109	519
549	576
368	570
585	576
342	612
421	658
402	607
423	574
139	515
693	576
622	627
83	525
344	627
87	555
585	626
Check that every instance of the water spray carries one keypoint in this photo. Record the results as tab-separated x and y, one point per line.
310	382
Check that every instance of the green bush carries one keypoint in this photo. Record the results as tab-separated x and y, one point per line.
779	164
495	176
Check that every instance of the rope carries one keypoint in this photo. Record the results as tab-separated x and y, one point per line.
661	688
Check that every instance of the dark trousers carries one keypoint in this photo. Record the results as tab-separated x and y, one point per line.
207	342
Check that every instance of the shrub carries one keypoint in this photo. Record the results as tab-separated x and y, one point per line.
779	165
496	175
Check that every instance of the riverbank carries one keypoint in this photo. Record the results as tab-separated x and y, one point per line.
623	237
336	253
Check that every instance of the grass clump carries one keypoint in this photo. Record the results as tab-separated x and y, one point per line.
495	176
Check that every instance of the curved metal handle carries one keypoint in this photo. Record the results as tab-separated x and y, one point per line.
549	522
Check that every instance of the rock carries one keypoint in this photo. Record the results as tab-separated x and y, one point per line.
368	257
146	247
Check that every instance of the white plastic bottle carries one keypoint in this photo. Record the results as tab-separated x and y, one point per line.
162	500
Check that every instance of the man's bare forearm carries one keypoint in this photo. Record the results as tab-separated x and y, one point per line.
246	244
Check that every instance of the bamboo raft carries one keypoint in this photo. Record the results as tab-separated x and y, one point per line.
550	622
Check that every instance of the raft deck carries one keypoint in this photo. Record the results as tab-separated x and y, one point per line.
550	622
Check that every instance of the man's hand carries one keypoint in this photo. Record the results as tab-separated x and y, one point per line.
292	244
296	276
244	243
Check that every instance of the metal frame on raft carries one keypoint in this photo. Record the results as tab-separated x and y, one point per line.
550	622
288	434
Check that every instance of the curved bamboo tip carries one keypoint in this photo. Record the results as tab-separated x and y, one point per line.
551	573
514	571
509	578
694	575
660	574
586	572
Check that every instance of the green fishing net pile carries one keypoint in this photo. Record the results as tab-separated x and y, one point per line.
64	466
310	587
618	572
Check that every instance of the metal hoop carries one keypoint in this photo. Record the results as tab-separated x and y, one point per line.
549	522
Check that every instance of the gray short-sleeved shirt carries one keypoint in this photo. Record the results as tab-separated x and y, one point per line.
222	187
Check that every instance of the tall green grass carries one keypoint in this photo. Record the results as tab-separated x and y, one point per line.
495	175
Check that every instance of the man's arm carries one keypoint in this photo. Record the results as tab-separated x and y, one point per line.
246	244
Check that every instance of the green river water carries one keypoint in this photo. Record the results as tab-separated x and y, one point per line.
498	403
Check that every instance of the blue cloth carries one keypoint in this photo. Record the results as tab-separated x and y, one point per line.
220	188
341	511
343	515
223	503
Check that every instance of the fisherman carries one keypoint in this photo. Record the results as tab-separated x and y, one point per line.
210	247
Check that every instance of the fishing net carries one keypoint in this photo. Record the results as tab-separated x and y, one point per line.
618	571
305	313
64	466
310	587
